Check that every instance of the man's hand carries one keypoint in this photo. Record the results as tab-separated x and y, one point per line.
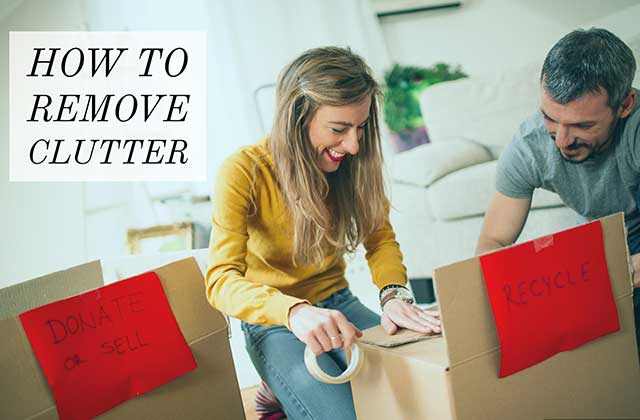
322	329
635	265
398	313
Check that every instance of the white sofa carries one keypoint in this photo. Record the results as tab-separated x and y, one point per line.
440	191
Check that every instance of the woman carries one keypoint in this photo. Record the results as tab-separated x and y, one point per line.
286	211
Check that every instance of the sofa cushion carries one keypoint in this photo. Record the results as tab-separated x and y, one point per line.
487	110
467	193
423	165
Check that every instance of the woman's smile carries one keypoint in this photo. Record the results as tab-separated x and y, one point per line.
334	155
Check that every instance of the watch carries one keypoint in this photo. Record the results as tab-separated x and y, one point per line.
395	292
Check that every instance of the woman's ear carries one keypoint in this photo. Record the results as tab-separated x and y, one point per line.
627	104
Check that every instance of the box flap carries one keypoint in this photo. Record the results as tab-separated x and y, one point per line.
26	393
378	337
597	380
466	314
196	317
40	291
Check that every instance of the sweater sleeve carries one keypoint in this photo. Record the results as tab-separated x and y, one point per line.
227	288
384	256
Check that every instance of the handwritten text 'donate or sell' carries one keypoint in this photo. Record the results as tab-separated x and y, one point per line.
106	313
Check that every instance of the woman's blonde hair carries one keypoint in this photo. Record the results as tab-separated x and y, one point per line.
335	212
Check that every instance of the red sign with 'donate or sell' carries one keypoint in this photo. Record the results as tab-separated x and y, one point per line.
105	346
550	295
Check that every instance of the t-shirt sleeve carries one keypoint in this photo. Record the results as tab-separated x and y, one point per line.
632	137
516	174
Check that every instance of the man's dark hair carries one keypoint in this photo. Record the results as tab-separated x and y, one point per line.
584	61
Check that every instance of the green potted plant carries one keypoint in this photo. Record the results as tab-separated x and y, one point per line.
401	106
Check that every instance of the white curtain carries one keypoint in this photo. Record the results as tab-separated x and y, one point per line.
248	42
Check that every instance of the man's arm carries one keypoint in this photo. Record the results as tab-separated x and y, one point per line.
503	222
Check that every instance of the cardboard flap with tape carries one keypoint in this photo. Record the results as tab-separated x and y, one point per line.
377	336
211	390
456	376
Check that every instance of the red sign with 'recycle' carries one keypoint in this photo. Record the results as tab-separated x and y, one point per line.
550	295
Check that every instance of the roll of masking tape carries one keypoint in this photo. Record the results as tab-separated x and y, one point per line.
355	363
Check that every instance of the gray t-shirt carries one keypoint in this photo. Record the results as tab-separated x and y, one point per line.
595	188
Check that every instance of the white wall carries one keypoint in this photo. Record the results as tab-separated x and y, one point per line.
485	35
42	224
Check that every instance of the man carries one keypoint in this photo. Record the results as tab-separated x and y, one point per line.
583	144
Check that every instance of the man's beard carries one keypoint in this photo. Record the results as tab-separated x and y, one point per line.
593	152
590	156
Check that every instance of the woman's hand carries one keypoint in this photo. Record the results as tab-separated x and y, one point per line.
322	329
398	313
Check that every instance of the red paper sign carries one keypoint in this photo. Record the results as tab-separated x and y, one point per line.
103	347
550	295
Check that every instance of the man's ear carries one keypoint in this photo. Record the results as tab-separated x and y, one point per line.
627	104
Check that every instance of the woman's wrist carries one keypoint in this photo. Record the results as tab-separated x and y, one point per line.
394	291
388	287
294	310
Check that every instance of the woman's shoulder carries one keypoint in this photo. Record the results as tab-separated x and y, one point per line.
258	153
249	156
247	161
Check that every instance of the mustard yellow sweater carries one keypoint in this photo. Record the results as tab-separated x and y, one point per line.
251	275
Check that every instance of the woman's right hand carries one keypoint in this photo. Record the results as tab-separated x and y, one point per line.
322	329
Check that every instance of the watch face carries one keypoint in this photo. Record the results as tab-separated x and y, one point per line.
398	292
404	294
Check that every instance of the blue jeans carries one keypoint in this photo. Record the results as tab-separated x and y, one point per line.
278	357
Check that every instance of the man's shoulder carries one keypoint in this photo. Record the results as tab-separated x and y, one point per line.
628	137
531	137
633	120
532	129
522	161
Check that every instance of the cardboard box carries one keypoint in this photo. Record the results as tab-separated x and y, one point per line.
456	376
209	392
